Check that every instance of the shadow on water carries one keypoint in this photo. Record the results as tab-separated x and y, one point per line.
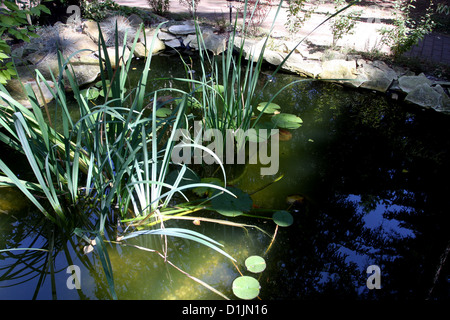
370	182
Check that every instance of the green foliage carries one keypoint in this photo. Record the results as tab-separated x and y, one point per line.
268	107
287	121
283	218
297	14
7	69
159	6
232	206
191	5
407	31
15	22
98	11
343	23
246	287
255	264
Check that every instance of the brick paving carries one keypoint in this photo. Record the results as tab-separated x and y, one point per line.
434	48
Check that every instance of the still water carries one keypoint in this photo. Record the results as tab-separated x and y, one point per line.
371	180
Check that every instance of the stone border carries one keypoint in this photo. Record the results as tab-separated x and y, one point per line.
348	70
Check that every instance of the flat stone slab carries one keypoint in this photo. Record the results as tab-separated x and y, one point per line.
182	29
409	83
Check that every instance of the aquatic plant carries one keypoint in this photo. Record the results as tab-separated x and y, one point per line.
113	156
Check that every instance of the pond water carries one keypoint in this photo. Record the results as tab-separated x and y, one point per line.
371	179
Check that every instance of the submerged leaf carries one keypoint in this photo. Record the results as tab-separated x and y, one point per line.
255	264
246	287
201	191
230	206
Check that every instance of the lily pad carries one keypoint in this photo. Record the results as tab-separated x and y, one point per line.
246	287
283	218
201	191
91	93
163	112
230	206
255	264
287	121
269	108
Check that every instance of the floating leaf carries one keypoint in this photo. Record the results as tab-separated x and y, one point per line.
269	108
255	264
201	191
163	112
246	287
287	121
230	206
283	218
91	93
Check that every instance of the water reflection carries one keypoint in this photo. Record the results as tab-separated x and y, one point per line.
374	178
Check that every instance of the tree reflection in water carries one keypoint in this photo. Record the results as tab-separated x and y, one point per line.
368	159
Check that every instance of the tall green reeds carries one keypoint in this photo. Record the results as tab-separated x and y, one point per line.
113	157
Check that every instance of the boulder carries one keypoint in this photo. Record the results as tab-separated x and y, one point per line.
165	36
175	43
182	29
124	55
338	69
212	42
149	44
376	75
409	83
445	99
90	28
304	68
16	87
425	96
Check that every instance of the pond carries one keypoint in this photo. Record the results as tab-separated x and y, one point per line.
365	178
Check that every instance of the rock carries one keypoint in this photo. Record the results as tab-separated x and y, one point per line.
251	48
165	36
135	20
212	42
145	46
296	64
16	88
445	100
84	73
409	83
338	69
175	43
123	56
182	29
376	76
90	28
425	96
273	57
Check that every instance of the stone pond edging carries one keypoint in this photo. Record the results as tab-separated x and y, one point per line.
348	70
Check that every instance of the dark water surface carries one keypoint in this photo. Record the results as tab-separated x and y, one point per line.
372	179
